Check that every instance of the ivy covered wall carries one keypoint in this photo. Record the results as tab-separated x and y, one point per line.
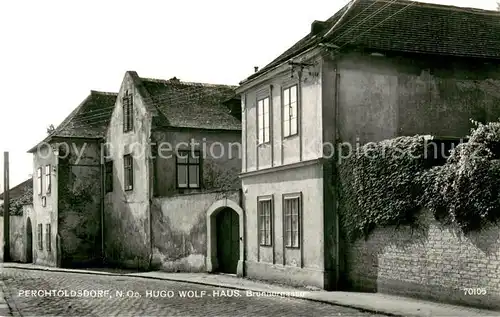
418	228
79	199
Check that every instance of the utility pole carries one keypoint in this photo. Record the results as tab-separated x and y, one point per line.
6	211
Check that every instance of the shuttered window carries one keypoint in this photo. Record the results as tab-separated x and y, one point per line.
47	237
128	112
48	179
40	236
39	180
128	171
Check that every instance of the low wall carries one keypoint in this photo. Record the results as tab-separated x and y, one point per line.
435	262
180	230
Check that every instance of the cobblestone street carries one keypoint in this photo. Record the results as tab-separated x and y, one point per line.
130	296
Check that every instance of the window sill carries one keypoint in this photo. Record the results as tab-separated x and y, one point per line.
292	248
266	245
291	136
265	144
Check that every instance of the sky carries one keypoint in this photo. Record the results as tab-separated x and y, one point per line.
52	53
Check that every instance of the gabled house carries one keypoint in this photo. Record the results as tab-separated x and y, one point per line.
67	199
374	70
172	162
146	177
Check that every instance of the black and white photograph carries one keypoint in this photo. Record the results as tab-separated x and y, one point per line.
250	158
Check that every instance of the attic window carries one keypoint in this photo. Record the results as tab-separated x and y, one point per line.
128	112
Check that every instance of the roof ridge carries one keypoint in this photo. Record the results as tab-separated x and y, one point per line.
187	83
107	93
25	183
444	6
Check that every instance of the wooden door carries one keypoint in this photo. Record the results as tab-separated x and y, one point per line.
228	240
29	242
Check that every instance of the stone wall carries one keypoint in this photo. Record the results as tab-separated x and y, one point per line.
434	262
17	235
180	230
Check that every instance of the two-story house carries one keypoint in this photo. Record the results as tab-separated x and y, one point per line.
172	164
66	187
373	71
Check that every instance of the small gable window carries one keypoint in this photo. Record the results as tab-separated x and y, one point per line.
128	112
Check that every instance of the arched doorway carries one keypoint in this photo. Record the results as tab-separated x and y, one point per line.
225	237
228	240
29	242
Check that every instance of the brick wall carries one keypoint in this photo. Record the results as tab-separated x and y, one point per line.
434	262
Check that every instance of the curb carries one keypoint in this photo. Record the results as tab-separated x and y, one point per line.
242	288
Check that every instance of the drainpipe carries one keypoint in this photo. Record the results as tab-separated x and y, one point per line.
151	185
103	193
337	179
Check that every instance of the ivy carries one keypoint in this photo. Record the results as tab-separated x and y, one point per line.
389	182
466	190
380	185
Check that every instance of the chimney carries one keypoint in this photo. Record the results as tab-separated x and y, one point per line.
317	27
256	68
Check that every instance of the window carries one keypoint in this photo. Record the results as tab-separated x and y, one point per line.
265	221
44	201
438	150
188	169
39	180
291	211
128	112
128	170
263	118
40	236
47	237
109	176
48	180
290	125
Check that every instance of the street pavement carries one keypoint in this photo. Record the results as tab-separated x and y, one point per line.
46	293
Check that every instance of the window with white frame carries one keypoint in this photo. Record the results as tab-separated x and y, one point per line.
291	213
290	108
39	180
265	211
263	118
48	180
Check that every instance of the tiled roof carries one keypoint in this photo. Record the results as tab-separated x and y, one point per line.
192	105
19	195
89	120
406	26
